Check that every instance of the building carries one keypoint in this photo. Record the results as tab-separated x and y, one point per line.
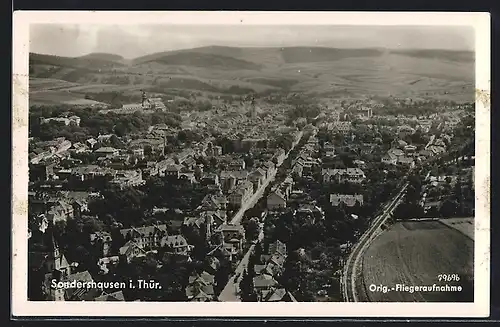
241	194
177	243
276	200
257	177
173	171
277	294
237	164
350	175
348	200
128	178
61	211
72	120
365	112
232	237
91	143
107	151
389	159
343	127
329	150
145	237
406	161
395	152
201	287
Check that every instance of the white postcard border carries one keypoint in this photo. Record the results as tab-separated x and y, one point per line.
22	307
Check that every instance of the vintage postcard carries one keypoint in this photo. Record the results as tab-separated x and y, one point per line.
272	164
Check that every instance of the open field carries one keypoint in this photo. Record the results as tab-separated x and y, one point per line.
323	72
47	84
59	97
463	225
415	253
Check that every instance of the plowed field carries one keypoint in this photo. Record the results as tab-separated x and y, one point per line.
415	253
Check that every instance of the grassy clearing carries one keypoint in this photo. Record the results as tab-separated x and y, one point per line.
415	253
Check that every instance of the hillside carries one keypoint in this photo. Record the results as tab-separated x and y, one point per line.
319	71
109	57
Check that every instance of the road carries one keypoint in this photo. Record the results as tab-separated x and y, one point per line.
253	200
258	194
350	272
230	291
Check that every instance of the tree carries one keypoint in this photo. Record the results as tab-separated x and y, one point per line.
449	208
252	228
246	287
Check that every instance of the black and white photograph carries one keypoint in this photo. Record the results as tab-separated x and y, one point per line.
233	160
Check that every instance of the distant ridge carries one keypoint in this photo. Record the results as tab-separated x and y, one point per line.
249	58
212	70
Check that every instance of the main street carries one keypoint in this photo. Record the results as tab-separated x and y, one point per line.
231	290
258	194
350	272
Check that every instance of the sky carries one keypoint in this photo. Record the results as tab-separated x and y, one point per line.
134	41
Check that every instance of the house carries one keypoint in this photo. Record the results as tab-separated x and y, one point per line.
359	163
138	152
128	178
106	263
146	237
285	187
346	199
309	210
153	145
350	175
201	288
91	143
410	148
276	200
263	284
103	240
278	294
396	152
104	139
61	211
111	297
389	159
241	194
187	175
280	156
131	250
278	247
298	169
342	127
80	147
406	161
425	153
214	202
405	130
189	163
107	151
173	171
177	243
329	150
233	237
209	179
237	164
269	167
257	177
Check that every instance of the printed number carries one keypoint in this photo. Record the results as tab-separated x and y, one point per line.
448	277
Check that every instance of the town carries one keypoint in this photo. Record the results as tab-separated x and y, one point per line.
257	198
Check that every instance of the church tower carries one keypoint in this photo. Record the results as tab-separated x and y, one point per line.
253	109
144	99
56	261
